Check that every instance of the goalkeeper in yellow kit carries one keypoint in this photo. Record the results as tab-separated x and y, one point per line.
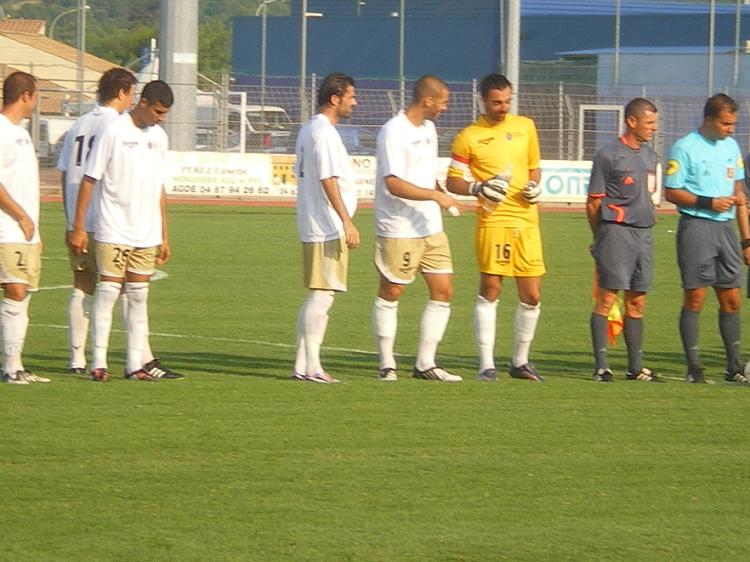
497	159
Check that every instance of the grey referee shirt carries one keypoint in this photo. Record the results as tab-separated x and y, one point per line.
624	178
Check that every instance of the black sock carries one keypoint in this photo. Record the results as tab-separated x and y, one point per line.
634	340
599	340
689	330
729	327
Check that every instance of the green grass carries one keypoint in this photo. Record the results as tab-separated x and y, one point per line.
239	463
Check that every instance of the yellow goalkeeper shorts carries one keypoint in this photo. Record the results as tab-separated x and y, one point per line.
510	251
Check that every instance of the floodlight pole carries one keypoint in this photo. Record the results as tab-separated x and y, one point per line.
514	48
401	52
81	43
263	47
618	31
303	65
711	33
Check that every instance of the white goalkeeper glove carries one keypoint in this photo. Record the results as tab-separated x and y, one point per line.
531	192
493	189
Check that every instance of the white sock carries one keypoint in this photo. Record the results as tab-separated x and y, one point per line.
300	361
524	325
101	319
485	319
146	353
137	324
79	312
316	321
14	320
384	326
431	331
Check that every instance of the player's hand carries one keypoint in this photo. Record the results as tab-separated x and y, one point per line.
164	253
78	241
495	189
721	204
351	235
446	201
746	255
27	227
531	192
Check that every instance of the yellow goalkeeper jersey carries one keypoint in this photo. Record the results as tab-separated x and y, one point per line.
482	150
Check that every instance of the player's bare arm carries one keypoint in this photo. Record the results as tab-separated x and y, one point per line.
593	206
9	206
332	191
64	201
78	237
165	250
743	221
683	198
406	190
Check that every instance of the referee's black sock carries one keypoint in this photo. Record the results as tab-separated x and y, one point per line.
633	331
599	340
729	326
689	330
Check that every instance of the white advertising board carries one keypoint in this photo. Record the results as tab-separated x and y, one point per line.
227	175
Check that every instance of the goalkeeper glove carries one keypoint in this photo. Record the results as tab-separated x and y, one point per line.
531	192
493	189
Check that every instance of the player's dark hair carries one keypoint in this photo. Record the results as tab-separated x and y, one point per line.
112	82
158	91
335	84
718	103
16	84
493	82
638	106
428	86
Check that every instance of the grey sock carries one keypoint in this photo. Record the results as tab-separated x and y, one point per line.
729	327
689	330
634	340
599	340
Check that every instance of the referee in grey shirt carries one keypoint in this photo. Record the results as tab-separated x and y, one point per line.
621	215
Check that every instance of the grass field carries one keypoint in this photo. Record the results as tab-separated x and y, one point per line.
237	462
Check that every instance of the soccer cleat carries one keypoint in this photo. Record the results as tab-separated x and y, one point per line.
603	375
696	376
28	376
526	371
297	376
77	371
436	373
140	375
387	374
488	375
323	377
735	378
12	378
644	375
99	375
159	371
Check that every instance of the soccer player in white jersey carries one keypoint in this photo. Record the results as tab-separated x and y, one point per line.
131	235
115	91
409	228
326	202
20	245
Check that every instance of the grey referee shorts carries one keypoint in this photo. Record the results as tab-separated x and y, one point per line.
624	257
708	253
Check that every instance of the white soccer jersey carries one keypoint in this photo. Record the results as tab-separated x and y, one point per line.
79	141
19	175
411	154
129	164
321	155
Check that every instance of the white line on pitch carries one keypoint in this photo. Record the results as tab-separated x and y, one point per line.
157	276
229	340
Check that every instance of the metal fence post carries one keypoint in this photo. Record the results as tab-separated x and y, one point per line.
313	87
560	120
474	100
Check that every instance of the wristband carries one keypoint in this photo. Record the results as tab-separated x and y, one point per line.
704	202
745	243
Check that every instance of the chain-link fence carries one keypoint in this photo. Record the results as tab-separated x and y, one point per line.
572	120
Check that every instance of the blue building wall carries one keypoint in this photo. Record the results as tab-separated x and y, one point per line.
458	48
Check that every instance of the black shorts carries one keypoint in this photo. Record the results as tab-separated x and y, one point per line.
624	257
708	253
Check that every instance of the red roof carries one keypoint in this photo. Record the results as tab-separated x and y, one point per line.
35	27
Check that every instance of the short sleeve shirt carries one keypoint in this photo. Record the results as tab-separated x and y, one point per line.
19	174
624	178
129	163
76	149
482	151
410	153
321	155
705	168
